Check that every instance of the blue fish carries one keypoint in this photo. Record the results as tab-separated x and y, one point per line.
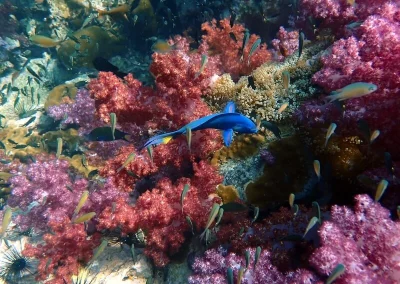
228	121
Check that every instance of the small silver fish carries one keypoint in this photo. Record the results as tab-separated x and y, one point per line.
59	147
314	220
127	161
240	275
99	250
189	137
329	133
380	190
84	218
220	214
189	221
317	168
374	135
245	41
256	213
354	90
204	60
183	194
254	47
213	213
257	256
113	119
336	273
150	152
247	258
301	43
283	107
286	80
82	201
6	221
316	210
229	275
135	18
292	197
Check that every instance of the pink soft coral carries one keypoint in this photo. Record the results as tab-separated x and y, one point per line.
287	42
370	56
366	241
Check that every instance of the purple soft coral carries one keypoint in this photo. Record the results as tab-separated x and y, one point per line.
46	192
366	242
212	268
81	112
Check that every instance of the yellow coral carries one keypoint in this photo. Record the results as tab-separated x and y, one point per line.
270	93
17	134
242	146
60	94
76	163
96	42
228	193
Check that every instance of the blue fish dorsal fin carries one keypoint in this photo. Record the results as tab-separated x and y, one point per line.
230	107
227	135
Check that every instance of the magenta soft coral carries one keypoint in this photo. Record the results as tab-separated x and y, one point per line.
158	212
366	241
64	251
221	43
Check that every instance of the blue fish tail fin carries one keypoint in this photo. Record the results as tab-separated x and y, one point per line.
228	137
161	139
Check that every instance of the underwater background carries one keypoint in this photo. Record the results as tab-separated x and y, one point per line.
220	141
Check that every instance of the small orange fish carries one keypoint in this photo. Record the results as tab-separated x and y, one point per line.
121	9
161	46
44	41
282	108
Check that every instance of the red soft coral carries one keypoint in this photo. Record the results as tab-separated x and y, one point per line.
63	252
221	44
158	212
